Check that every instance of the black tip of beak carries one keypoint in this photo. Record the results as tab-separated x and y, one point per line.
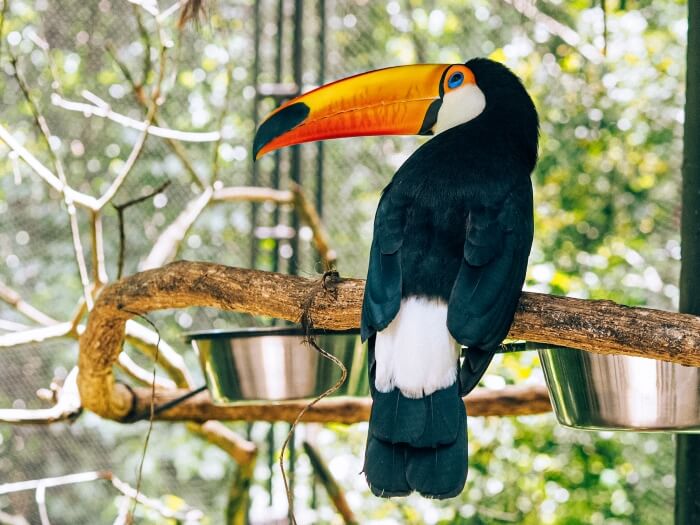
279	124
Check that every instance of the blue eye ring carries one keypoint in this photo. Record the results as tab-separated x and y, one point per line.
455	79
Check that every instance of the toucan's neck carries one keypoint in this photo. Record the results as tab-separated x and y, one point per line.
488	137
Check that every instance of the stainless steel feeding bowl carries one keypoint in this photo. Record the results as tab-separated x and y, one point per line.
614	392
275	364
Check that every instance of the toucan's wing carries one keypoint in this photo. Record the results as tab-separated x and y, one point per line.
488	286
383	288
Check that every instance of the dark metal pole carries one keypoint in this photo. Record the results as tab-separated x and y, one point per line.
321	80
295	164
278	153
254	173
687	507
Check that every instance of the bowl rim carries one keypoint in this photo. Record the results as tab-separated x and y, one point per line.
243	333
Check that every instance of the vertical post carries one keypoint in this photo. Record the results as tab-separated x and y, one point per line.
687	505
321	80
254	172
278	153
295	165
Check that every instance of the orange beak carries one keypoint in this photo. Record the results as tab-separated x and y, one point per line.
402	100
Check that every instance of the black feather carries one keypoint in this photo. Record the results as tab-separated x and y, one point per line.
455	224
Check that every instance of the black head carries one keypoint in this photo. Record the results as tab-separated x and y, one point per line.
509	110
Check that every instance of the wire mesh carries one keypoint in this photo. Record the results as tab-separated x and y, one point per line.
524	470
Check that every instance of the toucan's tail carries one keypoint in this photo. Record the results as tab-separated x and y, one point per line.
416	444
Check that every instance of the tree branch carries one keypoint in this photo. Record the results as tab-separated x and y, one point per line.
9	296
100	108
165	248
185	514
509	401
596	326
141	375
36	335
67	407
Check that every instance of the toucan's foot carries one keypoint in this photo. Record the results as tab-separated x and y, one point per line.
475	363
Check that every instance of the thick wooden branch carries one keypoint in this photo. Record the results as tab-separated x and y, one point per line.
509	401
597	326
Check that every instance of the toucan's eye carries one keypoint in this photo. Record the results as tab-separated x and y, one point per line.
455	79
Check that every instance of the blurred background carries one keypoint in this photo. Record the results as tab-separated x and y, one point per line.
607	79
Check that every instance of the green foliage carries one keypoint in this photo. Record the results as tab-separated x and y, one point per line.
607	208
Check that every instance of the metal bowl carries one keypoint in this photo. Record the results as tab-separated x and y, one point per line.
275	364
613	392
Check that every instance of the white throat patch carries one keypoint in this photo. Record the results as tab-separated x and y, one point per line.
459	106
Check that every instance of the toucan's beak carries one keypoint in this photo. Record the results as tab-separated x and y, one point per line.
402	100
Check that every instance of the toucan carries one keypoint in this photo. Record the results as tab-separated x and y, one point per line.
452	236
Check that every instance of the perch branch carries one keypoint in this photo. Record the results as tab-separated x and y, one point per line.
596	326
509	401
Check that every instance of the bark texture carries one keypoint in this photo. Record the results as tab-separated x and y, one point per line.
596	326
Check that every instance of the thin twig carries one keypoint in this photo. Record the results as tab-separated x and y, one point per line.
166	246
3	15
120	215
43	127
173	141
566	33
45	173
222	117
35	335
326	283
141	375
185	514
11	297
11	326
151	415
129	164
40	498
146	42
67	407
99	272
42	44
10	519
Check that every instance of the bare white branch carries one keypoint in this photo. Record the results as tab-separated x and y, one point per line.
45	173
67	407
187	513
100	108
35	335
